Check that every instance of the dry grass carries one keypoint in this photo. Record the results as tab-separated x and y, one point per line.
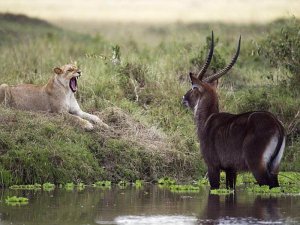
125	127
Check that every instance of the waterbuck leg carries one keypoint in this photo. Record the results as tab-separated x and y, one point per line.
230	178
273	181
214	178
261	176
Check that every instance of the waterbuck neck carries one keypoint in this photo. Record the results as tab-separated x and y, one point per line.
205	107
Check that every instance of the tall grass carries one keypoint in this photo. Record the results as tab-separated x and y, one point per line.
142	94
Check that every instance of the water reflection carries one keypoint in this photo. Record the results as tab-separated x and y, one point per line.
246	210
149	205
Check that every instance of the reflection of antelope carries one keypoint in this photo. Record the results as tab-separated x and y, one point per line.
249	141
231	210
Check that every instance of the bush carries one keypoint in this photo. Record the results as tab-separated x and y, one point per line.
281	47
217	62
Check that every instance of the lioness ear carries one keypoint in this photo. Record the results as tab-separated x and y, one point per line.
58	70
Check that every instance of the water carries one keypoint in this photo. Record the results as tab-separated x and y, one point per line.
149	205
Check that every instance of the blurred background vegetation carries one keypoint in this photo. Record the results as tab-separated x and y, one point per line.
134	76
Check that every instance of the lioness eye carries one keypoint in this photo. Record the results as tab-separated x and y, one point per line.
70	70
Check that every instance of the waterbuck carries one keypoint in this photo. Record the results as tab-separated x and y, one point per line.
252	141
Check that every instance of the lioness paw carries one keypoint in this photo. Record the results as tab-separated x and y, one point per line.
97	120
88	126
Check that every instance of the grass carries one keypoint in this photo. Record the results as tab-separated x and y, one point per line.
151	134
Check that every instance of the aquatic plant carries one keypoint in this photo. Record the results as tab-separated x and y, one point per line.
245	179
123	184
166	181
138	183
184	188
26	187
16	201
289	178
203	182
80	186
102	184
264	189
221	192
48	186
69	186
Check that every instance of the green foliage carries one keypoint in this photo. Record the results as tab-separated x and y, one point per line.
103	184
184	188
16	201
138	183
48	186
123	184
26	187
166	181
69	186
146	86
217	62
245	179
289	178
281	47
263	189
80	186
203	182
221	192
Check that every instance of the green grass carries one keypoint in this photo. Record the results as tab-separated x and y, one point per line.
151	135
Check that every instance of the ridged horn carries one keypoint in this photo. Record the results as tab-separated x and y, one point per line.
208	59
227	68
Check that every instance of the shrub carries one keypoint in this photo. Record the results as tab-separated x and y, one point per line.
281	47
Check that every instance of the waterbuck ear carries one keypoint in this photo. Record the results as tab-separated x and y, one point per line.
58	70
214	84
193	79
196	82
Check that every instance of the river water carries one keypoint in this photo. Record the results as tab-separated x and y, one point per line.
149	205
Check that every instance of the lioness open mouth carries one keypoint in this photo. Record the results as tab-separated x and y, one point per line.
73	84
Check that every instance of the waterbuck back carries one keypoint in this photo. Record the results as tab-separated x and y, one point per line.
252	141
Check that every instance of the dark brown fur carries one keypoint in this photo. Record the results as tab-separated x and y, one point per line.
232	142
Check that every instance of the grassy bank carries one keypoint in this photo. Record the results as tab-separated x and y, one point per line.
151	134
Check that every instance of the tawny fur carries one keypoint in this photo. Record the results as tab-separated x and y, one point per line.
56	97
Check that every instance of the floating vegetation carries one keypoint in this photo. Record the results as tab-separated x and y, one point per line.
138	183
166	181
26	187
80	186
48	186
264	189
245	179
203	182
16	201
69	186
102	184
289	178
184	188
123	184
221	192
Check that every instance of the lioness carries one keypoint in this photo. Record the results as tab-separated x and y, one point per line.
56	96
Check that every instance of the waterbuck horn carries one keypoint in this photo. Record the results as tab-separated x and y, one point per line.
227	68
208	59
